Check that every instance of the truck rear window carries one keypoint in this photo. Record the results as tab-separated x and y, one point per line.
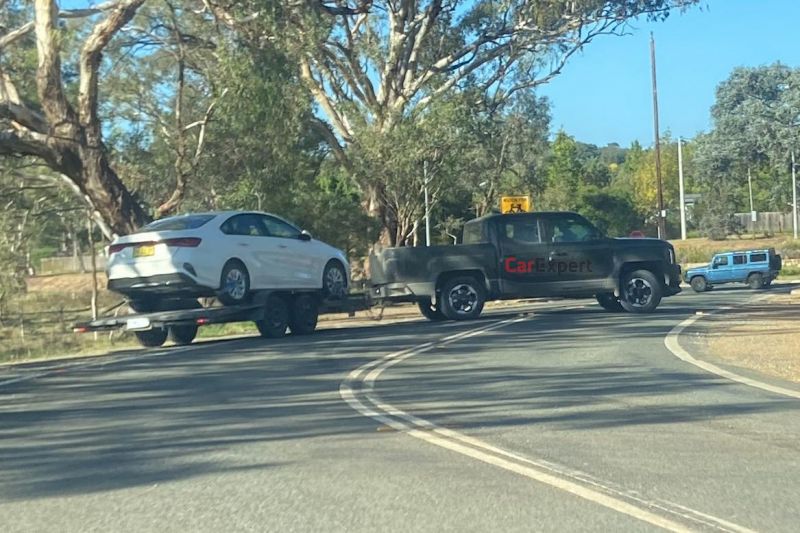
758	258
473	234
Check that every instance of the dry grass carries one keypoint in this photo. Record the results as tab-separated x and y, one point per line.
65	283
765	339
702	250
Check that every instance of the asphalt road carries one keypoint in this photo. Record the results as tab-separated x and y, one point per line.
566	418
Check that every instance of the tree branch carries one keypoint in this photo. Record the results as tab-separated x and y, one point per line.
102	33
28	27
340	122
48	74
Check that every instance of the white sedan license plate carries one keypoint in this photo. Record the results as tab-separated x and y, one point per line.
137	324
144	251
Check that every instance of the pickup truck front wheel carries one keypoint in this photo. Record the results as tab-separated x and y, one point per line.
463	298
640	292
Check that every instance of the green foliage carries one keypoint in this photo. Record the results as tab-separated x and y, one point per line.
610	210
755	129
565	174
470	155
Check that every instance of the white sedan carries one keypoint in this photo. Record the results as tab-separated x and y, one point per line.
225	254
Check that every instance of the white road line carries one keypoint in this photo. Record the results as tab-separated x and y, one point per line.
573	482
672	344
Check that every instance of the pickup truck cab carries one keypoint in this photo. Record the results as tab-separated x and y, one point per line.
543	254
756	268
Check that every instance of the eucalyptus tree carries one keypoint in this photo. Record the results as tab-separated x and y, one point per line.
60	124
372	64
756	119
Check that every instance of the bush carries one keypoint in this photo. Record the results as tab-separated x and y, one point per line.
611	211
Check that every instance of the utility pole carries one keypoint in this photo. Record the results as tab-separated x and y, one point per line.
662	230
753	216
794	197
680	185
427	205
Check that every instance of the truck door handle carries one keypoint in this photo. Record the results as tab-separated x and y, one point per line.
243	244
281	246
557	254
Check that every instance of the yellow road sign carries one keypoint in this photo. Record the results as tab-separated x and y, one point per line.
515	204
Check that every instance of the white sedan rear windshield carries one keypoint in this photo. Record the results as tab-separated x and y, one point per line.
177	223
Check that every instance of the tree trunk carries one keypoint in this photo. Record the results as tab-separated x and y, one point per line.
376	208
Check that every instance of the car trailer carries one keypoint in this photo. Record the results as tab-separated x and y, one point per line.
273	312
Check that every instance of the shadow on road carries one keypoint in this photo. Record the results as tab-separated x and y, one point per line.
144	421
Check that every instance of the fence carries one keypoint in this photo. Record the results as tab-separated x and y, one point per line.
70	265
767	222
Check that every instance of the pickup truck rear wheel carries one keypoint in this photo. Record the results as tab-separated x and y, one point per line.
640	292
755	281
430	311
699	284
463	298
609	302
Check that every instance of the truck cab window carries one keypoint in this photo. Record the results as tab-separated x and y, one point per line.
571	230
523	231
473	234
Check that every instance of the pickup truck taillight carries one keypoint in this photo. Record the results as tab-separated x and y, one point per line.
183	242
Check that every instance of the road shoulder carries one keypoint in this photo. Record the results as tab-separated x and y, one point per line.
758	341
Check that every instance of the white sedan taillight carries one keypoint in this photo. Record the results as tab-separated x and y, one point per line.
182	242
178	242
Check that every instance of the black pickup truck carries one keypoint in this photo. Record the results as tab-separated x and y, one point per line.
551	254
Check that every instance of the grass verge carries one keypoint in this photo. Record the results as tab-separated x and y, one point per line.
764	338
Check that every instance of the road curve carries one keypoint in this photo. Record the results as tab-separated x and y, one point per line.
564	419
597	400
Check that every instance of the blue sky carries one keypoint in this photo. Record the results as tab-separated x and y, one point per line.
603	94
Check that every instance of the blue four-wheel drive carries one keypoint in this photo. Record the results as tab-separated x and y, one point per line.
757	268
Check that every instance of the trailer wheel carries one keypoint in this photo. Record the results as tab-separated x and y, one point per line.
609	302
430	311
151	338
182	335
304	314
276	318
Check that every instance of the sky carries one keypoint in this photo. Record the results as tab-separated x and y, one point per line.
603	95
